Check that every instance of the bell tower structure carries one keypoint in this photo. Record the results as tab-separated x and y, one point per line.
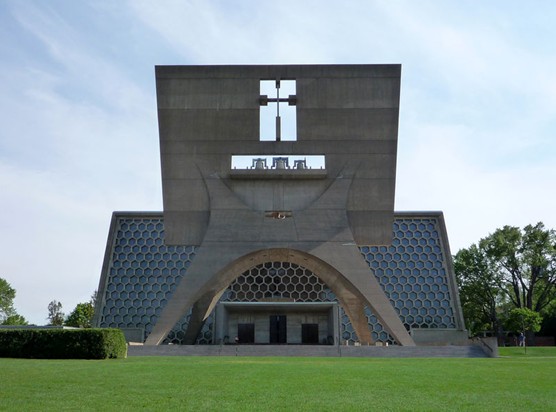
277	207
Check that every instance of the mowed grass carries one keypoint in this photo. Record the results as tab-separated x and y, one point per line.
529	352
512	382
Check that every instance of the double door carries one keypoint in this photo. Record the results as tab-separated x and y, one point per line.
278	332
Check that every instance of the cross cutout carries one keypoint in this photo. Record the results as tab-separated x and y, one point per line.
291	100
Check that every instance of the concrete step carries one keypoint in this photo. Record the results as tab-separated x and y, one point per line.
471	351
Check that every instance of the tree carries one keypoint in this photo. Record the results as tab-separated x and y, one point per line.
510	268
81	316
479	290
526	260
94	299
15	319
7	295
55	314
523	320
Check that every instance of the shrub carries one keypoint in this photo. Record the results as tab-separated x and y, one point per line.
63	343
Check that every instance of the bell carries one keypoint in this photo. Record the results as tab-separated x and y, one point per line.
300	164
280	164
259	164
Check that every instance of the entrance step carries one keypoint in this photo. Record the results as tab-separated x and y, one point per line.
471	351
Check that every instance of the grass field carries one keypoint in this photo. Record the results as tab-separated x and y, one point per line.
512	382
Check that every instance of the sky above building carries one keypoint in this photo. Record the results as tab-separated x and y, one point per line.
79	138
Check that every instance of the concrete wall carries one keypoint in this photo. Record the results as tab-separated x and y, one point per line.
347	112
436	337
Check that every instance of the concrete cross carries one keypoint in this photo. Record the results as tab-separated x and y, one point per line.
291	100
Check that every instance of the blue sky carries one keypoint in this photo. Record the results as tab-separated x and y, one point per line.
79	132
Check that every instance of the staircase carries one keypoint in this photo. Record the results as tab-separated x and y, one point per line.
471	351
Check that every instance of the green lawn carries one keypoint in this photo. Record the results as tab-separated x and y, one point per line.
512	382
533	352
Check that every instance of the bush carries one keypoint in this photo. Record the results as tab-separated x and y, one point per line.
63	343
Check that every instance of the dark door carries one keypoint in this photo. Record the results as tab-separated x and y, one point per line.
246	332
310	333
278	330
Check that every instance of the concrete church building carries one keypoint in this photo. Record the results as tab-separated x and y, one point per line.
278	224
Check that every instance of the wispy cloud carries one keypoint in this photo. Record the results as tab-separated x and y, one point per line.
80	140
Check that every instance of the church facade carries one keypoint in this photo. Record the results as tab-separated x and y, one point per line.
278	224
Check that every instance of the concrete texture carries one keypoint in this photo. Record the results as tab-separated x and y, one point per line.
208	113
468	351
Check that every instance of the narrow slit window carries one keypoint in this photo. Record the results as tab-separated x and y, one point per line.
278	115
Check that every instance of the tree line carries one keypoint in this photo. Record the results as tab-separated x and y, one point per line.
8	314
507	281
80	317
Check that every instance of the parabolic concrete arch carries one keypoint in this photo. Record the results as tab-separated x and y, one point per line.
349	297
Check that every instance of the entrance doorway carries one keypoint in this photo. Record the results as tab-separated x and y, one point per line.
246	332
292	323
278	332
310	333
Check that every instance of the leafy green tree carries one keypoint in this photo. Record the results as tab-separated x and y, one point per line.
55	314
7	295
14	320
81	316
523	320
526	260
480	290
510	268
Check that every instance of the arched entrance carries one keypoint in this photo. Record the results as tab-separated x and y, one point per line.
277	303
202	294
347	295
